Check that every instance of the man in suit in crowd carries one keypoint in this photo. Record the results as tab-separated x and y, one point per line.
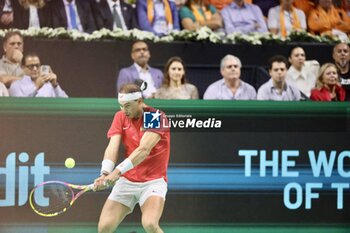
140	70
6	14
112	14
26	15
73	14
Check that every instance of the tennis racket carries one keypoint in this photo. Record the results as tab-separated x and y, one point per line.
59	196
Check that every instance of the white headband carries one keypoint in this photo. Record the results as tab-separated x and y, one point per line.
125	97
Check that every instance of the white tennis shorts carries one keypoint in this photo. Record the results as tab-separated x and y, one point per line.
130	193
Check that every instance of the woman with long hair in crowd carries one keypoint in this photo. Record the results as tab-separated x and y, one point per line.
328	87
197	13
175	85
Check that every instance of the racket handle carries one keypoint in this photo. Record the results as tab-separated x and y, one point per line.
91	186
106	185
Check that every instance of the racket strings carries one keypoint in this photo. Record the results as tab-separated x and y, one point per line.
59	195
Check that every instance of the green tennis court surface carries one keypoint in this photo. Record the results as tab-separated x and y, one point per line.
181	228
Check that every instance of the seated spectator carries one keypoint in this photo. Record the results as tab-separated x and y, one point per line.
174	83
196	14
3	90
302	74
341	57
140	54
328	87
277	88
10	63
325	19
36	82
72	14
243	18
113	14
157	16
305	5
6	14
31	13
179	3
284	18
230	87
220	4
346	6
266	5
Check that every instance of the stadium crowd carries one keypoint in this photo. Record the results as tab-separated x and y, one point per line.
292	78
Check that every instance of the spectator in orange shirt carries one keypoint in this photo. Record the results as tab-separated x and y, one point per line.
219	4
305	5
346	6
325	19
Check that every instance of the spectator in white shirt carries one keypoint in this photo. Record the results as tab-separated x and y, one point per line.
302	74
284	18
277	88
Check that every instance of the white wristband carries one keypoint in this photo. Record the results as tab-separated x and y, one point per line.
107	166
125	166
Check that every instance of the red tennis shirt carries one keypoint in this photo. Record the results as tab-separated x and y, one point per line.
156	164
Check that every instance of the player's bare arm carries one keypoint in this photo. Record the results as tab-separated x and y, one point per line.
111	156
148	141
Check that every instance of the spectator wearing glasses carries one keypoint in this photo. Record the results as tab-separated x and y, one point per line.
141	70
230	87
37	82
10	63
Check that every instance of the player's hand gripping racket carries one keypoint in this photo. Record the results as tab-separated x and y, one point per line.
61	196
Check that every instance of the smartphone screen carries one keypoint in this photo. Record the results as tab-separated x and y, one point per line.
45	69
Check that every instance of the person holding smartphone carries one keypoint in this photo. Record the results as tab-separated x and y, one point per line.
38	81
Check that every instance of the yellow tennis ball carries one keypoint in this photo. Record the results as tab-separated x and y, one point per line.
69	163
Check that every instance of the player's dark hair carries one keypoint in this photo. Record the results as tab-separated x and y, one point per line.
129	88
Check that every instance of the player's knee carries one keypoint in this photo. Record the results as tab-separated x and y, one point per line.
150	225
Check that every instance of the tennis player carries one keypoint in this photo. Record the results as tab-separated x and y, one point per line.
142	176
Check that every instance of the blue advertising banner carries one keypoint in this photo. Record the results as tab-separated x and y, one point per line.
231	161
